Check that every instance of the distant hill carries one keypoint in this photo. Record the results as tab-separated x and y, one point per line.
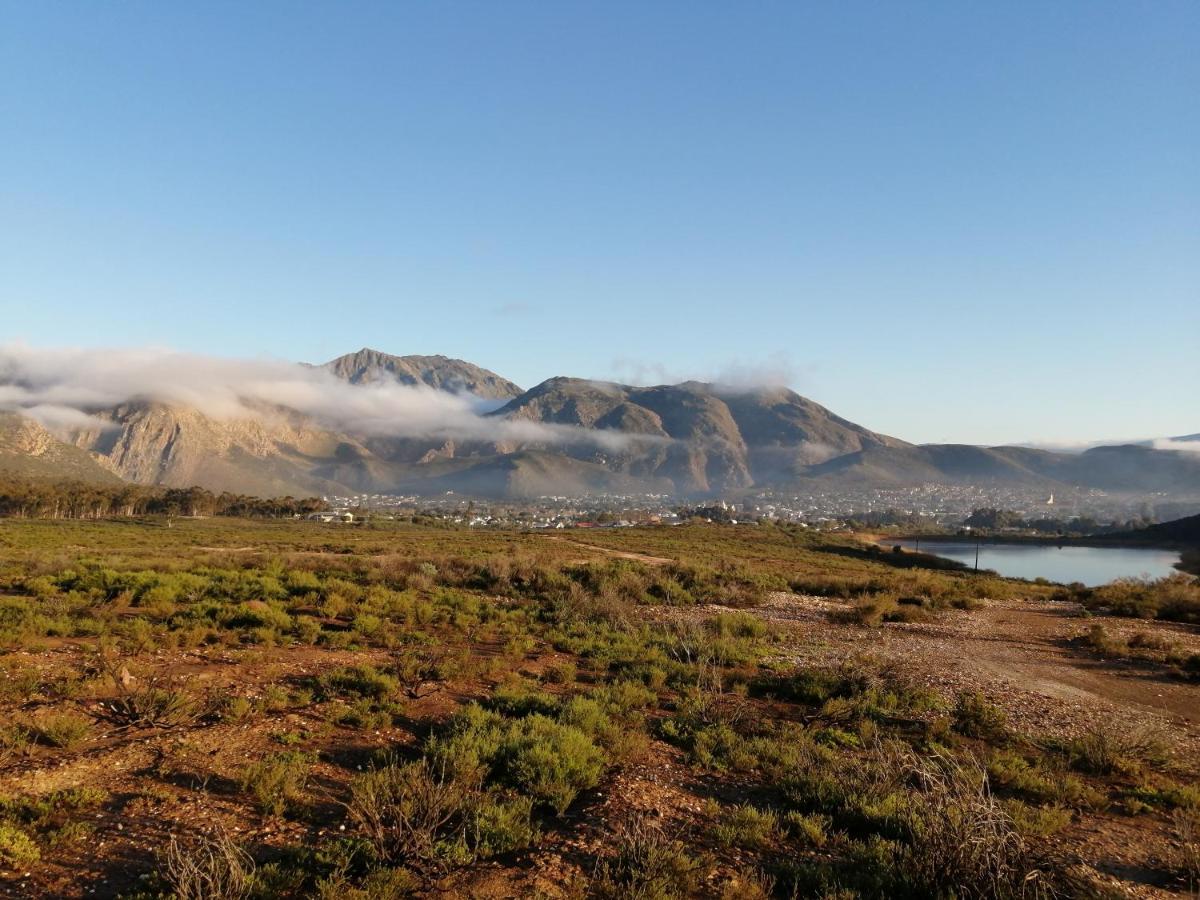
28	450
441	372
1179	533
1120	468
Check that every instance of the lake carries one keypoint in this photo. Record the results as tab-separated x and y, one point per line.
1090	565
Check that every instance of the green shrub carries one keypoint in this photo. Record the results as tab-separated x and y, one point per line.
66	730
1106	747
812	830
1037	821
421	814
975	717
549	761
363	681
277	782
561	671
746	826
1016	775
1175	598
16	847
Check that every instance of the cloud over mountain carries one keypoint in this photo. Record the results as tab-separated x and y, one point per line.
66	387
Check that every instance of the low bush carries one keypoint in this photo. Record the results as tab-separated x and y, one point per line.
647	865
361	681
213	868
1186	852
1175	598
975	717
746	826
17	848
549	761
65	730
277	782
1107	747
422	815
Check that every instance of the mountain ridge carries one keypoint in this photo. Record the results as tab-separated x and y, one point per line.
562	435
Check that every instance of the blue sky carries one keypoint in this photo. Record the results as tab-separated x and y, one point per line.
945	221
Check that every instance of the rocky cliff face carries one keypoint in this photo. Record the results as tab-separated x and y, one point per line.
152	443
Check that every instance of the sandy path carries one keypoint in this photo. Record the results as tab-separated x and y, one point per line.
608	551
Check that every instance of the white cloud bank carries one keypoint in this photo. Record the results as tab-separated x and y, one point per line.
64	387
1187	446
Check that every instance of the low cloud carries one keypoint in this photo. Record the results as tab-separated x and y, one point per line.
1191	445
68	389
1180	445
774	370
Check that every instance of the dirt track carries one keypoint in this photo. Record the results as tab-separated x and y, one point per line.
1018	653
619	554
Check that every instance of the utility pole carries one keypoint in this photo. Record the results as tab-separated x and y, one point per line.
976	554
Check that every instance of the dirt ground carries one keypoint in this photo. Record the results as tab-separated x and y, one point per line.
1019	655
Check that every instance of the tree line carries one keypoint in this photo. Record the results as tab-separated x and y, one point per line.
28	499
990	519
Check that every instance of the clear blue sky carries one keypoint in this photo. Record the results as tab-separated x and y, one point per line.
955	221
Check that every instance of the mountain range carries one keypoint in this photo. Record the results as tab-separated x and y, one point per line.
563	436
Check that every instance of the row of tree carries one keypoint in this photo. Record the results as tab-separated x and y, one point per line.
28	499
989	519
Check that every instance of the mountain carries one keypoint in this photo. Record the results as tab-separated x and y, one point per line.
28	450
1118	468
368	366
700	437
563	436
278	452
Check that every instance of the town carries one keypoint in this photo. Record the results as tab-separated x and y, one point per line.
928	506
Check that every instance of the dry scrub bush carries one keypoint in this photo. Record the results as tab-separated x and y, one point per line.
1175	598
1106	747
142	702
975	717
213	869
419	814
278	781
960	837
409	812
1186	853
647	865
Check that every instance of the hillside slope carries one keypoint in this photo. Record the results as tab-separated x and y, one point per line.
274	454
699	436
27	450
